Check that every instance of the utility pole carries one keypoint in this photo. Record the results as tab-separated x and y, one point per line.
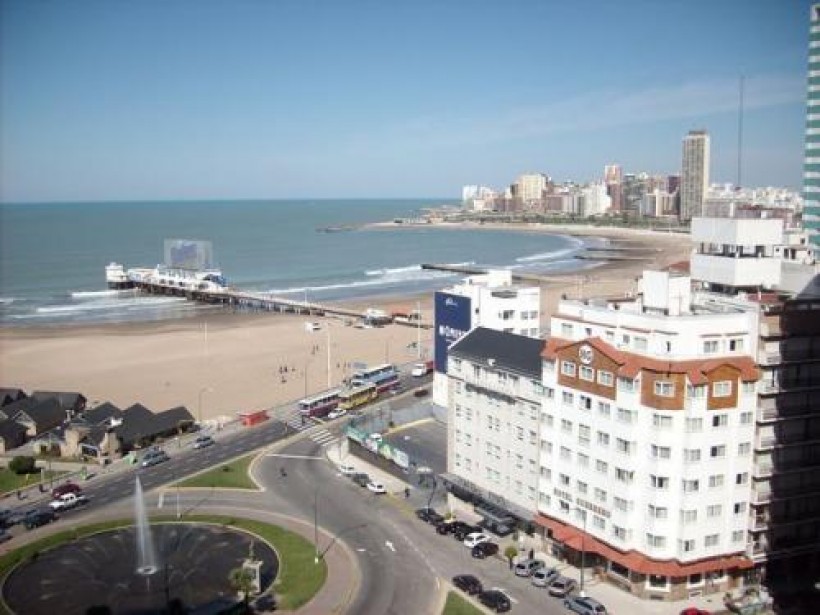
418	330
316	525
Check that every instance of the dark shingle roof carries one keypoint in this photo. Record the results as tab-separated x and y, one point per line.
504	351
139	422
68	400
102	413
12	431
9	411
46	414
8	395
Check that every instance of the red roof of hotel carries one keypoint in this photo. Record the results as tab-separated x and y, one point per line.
631	364
578	540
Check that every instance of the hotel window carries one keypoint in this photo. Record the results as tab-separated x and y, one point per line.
568	368
655	541
468	414
582	487
609	335
519	434
746	418
664	388
689	516
603	409
546	446
736	345
458	460
621	504
603	438
601	466
748	387
623	446
710	346
715	510
563	479
489	422
744	448
627	385
640	344
694	425
507	314
625	476
660	421
718	451
738	535
716	481
544	499
587	373
458	411
567	398
691	455
583	435
661	452
566	330
518	487
739	508
600	495
519	461
691	486
686	546
599	522
583	460
457	363
531	493
742	478
722	388
626	416
546	474
565	453
533	437
585	402
549	420
695	392
605	378
658	512
720	420
476	371
566	425
659	482
619	532
711	540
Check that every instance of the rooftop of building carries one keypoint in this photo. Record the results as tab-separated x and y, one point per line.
503	351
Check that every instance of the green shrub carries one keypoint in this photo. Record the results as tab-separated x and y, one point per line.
22	465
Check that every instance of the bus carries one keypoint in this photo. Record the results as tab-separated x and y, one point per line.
357	395
319	405
383	376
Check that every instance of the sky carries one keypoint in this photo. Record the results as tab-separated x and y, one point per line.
205	99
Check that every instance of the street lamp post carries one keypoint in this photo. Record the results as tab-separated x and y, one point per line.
327	330
316	525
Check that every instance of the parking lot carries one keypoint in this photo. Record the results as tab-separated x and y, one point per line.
425	442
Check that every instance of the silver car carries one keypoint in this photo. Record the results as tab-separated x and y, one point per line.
527	567
561	587
544	576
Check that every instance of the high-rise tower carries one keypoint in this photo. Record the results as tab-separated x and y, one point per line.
811	160
694	174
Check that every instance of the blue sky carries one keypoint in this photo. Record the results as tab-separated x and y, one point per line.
202	99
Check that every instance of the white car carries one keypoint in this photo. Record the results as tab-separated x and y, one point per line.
476	538
347	470
335	414
376	487
376	437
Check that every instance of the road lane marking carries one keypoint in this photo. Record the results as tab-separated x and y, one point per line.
389	545
161	499
284	456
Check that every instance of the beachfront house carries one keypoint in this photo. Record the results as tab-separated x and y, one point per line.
37	416
72	403
8	396
140	427
12	435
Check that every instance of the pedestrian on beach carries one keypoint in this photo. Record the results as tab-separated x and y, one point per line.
532	553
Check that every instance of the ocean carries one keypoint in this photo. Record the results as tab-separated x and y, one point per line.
53	255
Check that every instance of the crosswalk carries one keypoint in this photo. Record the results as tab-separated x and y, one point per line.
322	436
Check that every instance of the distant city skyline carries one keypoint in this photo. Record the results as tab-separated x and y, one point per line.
218	100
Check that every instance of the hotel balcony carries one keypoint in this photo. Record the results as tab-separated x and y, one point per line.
736	271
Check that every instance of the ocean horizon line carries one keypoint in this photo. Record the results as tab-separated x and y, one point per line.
188	201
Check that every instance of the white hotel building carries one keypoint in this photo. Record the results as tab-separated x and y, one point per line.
678	441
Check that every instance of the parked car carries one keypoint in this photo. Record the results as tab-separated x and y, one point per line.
527	567
422	369
462	532
588	606
67	501
468	583
484	549
375	487
475	538
360	479
153	457
9	518
65	488
38	517
451	527
335	414
347	470
203	442
693	610
561	586
544	576
429	515
496	600
421	393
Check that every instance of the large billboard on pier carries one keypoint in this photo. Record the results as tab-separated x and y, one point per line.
188	254
452	321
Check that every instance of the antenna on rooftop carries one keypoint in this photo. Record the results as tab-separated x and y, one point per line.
740	136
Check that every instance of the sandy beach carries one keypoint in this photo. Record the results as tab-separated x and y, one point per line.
230	362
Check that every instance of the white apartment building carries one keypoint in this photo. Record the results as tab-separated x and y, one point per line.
596	201
489	300
694	174
493	418
531	187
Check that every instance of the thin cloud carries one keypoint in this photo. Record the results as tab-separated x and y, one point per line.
588	111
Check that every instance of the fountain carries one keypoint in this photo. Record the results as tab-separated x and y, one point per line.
146	553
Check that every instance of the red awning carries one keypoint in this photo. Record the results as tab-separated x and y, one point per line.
575	539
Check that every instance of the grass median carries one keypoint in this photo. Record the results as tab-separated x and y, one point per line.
456	605
299	578
233	475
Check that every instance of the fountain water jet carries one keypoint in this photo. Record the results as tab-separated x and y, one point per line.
147	563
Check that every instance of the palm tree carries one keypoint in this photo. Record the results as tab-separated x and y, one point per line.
241	580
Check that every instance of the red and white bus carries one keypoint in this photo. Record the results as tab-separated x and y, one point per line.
319	405
383	376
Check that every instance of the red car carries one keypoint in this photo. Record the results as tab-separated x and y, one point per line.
65	488
694	611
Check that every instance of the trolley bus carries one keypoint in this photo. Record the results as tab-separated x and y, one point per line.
383	376
319	405
357	395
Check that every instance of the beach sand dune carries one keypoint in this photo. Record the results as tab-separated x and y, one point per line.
232	362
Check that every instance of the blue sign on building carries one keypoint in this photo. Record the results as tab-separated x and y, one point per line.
453	320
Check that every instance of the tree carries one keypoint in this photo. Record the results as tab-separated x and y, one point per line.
510	552
22	465
241	580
